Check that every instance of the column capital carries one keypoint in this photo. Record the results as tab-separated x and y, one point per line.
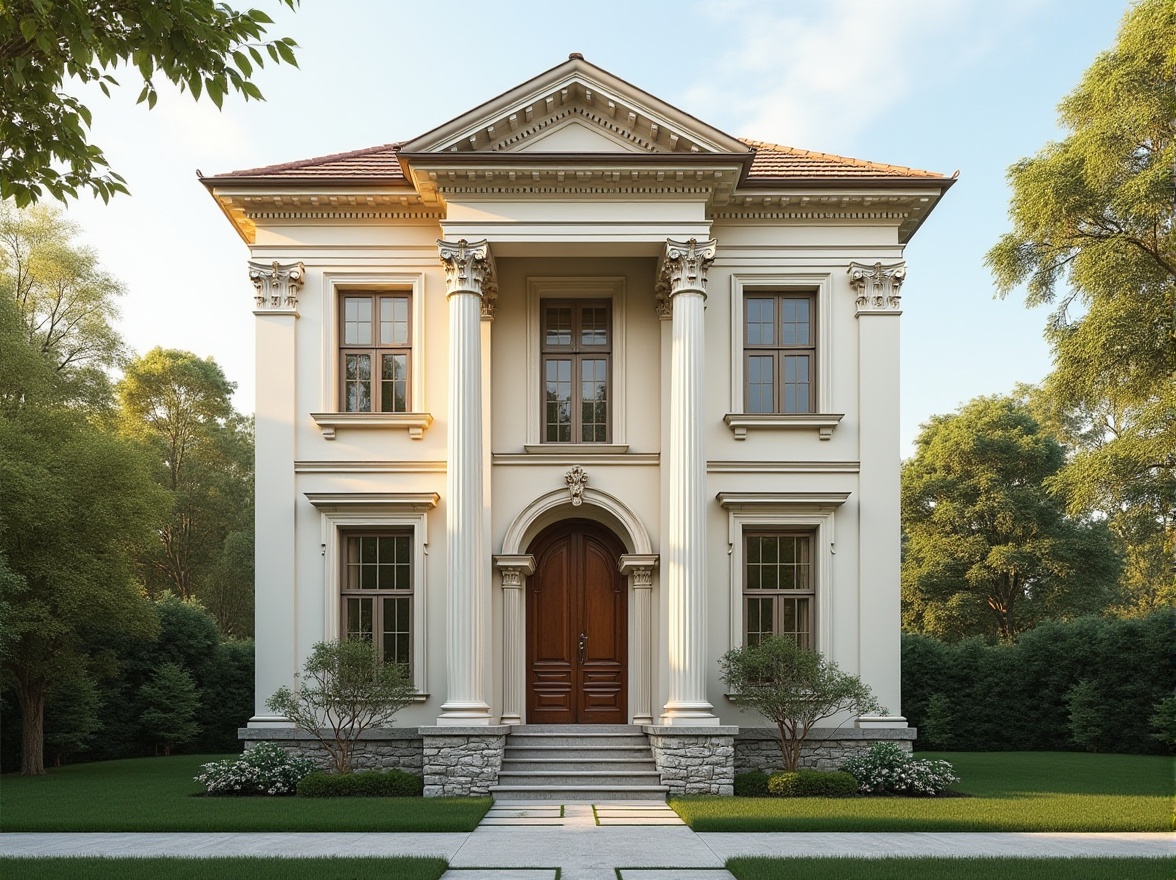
514	569
682	269
469	266
276	285
638	567
878	287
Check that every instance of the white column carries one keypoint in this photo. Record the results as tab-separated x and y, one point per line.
638	568
878	288
515	570
468	266
683	277
276	577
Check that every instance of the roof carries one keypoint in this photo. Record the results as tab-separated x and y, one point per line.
773	164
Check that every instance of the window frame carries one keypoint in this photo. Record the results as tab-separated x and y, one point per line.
808	592
375	349
779	351
353	513
546	288
377	594
576	352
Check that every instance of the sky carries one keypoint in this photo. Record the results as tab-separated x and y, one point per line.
941	85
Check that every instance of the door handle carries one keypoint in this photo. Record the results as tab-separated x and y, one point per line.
583	644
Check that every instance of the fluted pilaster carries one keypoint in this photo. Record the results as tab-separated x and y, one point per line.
638	568
683	278
468	267
515	570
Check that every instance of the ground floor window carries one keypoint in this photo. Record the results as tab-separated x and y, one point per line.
377	592
778	586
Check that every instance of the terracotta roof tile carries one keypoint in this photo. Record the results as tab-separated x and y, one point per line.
774	161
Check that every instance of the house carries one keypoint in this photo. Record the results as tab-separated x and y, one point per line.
561	400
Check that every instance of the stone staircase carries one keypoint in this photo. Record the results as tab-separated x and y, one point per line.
578	762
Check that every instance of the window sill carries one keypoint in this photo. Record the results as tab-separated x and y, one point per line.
577	448
415	423
741	423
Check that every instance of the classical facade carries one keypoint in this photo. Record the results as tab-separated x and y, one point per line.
564	398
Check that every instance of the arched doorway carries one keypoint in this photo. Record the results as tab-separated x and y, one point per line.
577	627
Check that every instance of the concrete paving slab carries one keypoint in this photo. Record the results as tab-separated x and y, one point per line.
638	820
1028	844
674	874
499	874
292	845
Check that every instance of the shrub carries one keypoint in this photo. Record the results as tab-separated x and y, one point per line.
365	783
887	769
812	783
751	784
264	769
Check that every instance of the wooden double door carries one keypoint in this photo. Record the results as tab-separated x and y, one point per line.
577	628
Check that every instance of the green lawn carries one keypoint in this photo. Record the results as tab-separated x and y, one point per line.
401	868
154	794
957	869
1012	791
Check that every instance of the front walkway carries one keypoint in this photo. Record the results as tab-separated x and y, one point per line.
645	840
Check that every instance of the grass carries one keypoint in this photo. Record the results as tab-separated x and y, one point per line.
1012	791
957	869
154	794
401	867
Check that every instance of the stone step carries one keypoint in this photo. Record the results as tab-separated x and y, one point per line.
575	741
603	753
586	761
565	779
580	792
576	729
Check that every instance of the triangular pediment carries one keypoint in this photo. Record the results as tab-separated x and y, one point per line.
576	107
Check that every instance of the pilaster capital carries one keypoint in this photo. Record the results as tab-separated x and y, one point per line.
276	284
683	269
638	567
878	287
469	266
514	569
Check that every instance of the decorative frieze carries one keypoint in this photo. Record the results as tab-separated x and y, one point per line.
276	284
878	287
577	480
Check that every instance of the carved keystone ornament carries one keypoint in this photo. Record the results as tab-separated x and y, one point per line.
577	480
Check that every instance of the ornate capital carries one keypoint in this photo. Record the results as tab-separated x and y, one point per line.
514	569
276	284
639	569
577	480
683	268
878	287
469	266
489	301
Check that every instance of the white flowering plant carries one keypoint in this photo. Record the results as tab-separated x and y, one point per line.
264	769
888	769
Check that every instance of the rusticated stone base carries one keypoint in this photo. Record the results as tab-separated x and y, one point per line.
462	760
694	760
377	749
825	748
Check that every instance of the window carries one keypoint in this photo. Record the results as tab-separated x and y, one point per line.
778	586
375	352
377	592
575	364
779	352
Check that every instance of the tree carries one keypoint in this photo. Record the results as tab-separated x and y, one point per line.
72	716
344	690
66	302
1094	236
202	46
178	406
170	701
795	688
989	549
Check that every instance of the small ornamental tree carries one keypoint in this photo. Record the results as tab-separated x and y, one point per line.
795	688
344	689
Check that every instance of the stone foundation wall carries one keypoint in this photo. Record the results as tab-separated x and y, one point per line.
462	760
758	748
694	760
377	749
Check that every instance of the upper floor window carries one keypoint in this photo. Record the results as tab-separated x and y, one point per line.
576	368
375	352
779	352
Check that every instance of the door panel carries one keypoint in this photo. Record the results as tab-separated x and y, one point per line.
576	595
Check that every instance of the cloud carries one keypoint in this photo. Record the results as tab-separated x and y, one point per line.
819	74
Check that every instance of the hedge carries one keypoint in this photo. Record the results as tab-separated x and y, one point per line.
364	783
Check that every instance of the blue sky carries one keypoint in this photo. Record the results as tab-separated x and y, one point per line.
935	84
